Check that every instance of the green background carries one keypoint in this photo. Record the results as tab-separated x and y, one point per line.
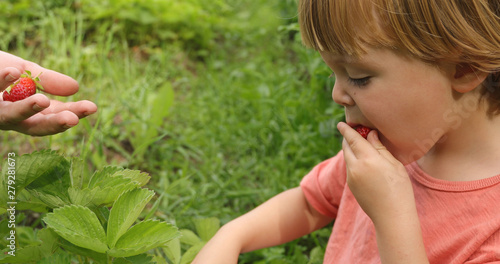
217	100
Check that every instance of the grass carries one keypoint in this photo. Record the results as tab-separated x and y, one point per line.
248	120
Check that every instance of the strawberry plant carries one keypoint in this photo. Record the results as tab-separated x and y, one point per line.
89	217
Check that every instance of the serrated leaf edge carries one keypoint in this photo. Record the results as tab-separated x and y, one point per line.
124	227
121	252
64	234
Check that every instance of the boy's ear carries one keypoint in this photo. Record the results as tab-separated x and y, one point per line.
467	78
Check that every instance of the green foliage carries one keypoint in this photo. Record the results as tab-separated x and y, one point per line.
194	25
192	242
53	181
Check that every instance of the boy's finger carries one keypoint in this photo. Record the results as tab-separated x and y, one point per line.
349	156
359	146
374	140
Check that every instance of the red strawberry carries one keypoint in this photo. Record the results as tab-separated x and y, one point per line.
24	87
362	130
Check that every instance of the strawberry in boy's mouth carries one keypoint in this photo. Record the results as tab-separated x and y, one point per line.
362	130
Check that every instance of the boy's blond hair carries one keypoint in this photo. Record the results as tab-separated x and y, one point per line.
465	32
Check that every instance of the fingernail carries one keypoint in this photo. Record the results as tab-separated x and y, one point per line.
339	124
10	78
67	126
37	108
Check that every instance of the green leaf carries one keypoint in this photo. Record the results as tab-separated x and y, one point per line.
79	225
54	180
106	196
76	173
142	237
60	256
191	253
81	197
137	176
163	101
27	254
45	245
139	259
316	255
172	250
110	182
102	174
70	247
26	201
189	237
206	227
45	167
125	211
160	101
49	241
29	167
107	177
50	200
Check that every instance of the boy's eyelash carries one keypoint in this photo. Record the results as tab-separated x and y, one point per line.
359	82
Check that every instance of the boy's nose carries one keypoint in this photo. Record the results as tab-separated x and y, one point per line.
340	96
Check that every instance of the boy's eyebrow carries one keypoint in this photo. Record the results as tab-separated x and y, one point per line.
345	60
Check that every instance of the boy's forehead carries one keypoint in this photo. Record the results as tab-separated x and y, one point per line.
372	57
337	58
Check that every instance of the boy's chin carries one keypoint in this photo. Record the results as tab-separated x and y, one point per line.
406	156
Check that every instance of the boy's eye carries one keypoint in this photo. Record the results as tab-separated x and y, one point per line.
359	81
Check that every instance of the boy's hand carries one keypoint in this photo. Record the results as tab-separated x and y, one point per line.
37	115
379	182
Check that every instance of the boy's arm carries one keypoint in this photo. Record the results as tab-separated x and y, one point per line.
281	219
399	239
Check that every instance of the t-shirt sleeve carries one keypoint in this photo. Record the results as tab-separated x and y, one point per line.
324	184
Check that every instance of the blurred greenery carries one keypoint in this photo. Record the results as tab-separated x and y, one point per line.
217	100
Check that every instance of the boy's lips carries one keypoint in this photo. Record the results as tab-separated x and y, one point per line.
353	125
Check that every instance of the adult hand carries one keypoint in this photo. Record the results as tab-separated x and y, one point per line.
37	115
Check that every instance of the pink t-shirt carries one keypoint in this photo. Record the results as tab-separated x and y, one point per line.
460	220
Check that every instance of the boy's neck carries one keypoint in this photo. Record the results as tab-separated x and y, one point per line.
469	152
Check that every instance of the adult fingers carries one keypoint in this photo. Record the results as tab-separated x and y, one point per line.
81	108
8	76
15	112
53	82
42	125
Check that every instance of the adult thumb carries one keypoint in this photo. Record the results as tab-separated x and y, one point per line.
8	76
